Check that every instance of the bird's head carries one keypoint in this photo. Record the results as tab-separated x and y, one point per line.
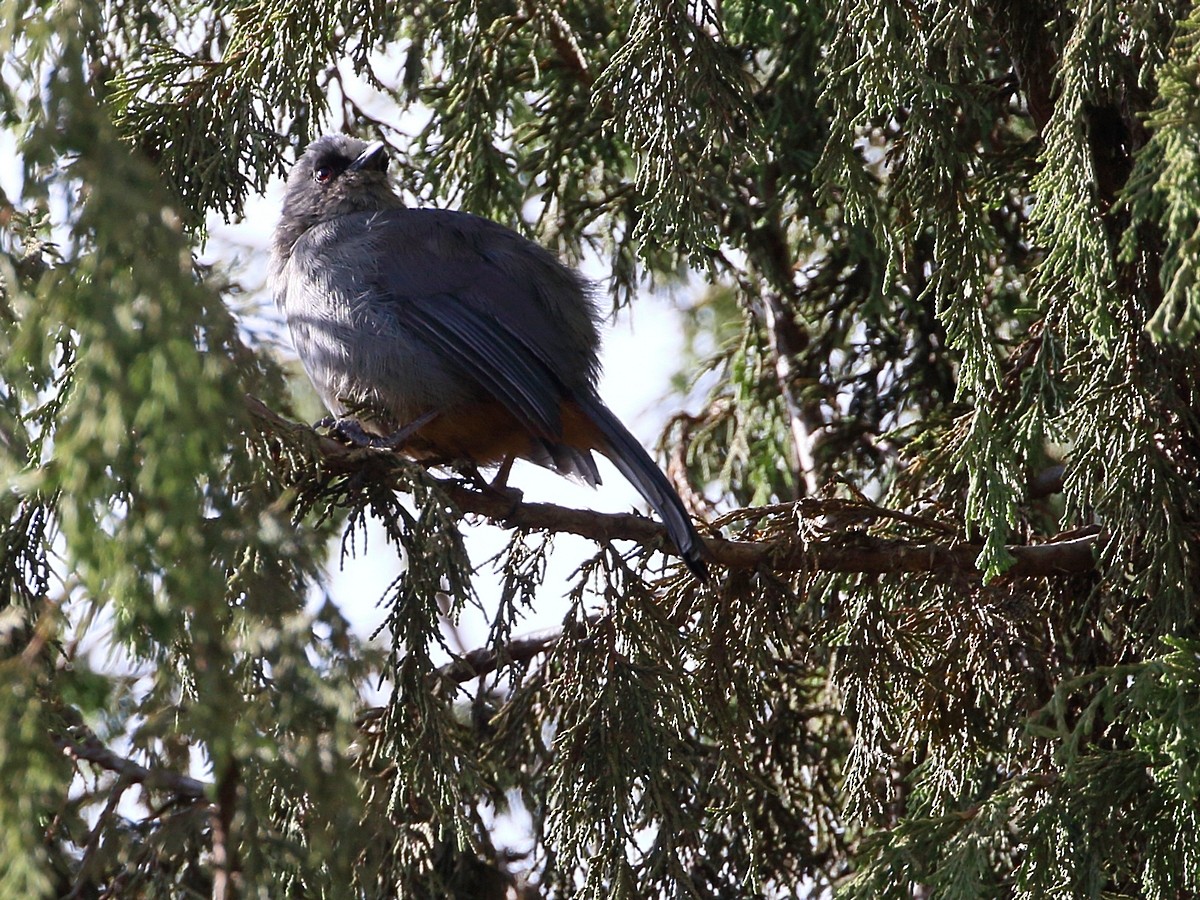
337	175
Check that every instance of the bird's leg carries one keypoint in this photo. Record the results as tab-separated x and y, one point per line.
348	431
498	486
500	481
470	471
352	432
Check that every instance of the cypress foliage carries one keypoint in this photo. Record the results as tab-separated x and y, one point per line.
950	461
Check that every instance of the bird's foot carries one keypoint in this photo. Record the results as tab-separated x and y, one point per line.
351	431
348	431
500	481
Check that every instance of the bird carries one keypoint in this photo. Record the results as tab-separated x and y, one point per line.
446	336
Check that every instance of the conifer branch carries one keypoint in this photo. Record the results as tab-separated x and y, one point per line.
484	660
565	43
852	552
855	552
83	745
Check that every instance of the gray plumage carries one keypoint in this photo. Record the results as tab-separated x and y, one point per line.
455	323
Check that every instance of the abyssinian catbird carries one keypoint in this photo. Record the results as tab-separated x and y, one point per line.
447	335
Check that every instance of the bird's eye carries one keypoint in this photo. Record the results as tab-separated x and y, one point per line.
322	174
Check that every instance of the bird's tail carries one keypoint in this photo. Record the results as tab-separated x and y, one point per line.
632	461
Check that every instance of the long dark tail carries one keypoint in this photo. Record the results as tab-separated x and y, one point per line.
632	461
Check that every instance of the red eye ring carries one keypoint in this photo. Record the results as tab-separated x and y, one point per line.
322	174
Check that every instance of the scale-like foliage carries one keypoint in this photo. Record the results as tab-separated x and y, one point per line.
950	442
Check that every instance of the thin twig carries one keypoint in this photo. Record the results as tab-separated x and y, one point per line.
93	842
787	340
82	745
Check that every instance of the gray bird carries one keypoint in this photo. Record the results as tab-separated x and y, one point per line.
446	336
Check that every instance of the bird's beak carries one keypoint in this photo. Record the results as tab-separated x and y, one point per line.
374	157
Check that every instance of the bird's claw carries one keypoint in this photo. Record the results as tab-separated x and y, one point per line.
351	431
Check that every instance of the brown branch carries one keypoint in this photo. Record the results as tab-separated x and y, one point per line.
843	553
83	746
1022	26
483	660
226	874
847	553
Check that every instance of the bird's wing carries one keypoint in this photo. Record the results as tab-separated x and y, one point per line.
491	355
492	304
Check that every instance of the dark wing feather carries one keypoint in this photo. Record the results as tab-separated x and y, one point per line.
491	355
490	271
493	305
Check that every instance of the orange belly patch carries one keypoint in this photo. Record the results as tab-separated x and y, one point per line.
488	434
